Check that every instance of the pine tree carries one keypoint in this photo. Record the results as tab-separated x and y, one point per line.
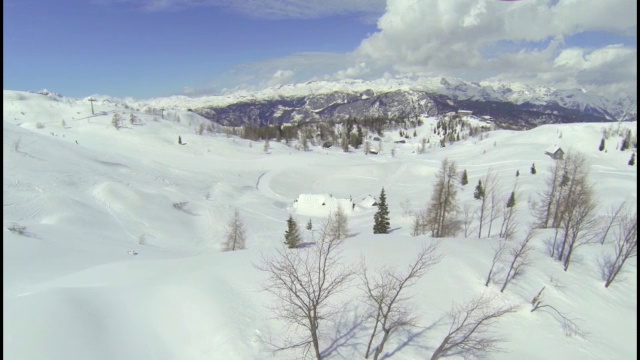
309	225
381	218
626	142
632	161
479	192
601	147
624	145
533	168
517	173
512	200
359	136
465	179
292	235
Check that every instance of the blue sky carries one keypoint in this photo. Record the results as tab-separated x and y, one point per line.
149	48
81	48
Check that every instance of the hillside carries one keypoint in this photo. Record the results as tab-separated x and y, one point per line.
112	237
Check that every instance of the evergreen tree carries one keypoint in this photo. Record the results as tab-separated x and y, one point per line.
292	235
517	173
632	161
626	142
533	168
309	225
359	135
601	147
465	179
479	192
625	145
512	200
266	145
381	218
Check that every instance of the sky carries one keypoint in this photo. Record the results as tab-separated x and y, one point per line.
152	48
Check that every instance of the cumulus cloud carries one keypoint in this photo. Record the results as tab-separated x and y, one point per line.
451	37
528	41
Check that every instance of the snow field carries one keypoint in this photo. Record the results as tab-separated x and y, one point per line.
72	290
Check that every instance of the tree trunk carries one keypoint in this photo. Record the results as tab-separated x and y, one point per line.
613	275
373	334
380	347
486	284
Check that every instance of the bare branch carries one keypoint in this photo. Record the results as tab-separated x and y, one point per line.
519	255
613	217
385	295
569	326
497	256
470	330
625	247
303	281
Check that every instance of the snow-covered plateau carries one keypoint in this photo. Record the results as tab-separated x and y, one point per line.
112	237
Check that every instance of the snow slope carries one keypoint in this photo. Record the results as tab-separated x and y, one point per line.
90	197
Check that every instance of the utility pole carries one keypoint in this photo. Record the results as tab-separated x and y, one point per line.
91	100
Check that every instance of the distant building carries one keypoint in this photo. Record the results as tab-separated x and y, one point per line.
555	152
465	112
487	118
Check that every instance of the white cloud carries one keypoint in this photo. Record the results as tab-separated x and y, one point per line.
280	77
453	38
272	9
450	38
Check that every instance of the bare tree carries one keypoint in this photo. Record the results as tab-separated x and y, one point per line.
549	197
580	224
613	217
571	182
442	210
385	293
509	225
419	223
625	245
569	326
497	256
488	201
235	237
467	219
406	207
495	208
470	330
338	224
519	254
116	121
577	214
303	282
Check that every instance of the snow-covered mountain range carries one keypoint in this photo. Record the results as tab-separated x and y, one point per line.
508	103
